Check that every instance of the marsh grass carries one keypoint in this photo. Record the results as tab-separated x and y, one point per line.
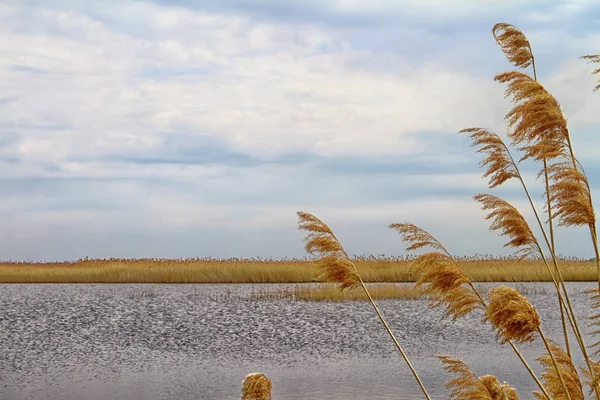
272	271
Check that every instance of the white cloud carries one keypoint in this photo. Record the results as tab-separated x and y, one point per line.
289	97
86	88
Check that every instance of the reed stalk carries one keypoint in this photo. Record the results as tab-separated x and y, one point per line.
539	129
445	278
337	267
518	49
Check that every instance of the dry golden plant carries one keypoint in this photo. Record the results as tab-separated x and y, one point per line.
482	268
571	195
333	260
537	124
507	219
438	274
256	386
589	380
514	44
467	385
514	318
446	280
553	381
497	390
517	48
499	164
338	267
511	315
538	129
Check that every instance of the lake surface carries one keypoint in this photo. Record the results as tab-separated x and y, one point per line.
198	341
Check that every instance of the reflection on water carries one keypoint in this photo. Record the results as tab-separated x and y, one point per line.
152	342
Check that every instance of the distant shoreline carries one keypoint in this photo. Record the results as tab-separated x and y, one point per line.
270	271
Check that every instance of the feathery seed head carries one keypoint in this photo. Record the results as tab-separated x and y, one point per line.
571	196
568	371
492	385
256	386
440	271
514	44
312	224
333	260
468	386
511	315
439	275
497	390
511	223
538	125
499	164
508	392
416	237
339	270
589	380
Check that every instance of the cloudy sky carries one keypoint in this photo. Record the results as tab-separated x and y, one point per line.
191	128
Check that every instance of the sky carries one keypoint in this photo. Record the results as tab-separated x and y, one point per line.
182	128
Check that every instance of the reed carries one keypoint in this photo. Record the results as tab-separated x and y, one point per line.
467	385
256	386
539	131
336	266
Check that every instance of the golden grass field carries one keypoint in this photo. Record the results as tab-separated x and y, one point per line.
256	271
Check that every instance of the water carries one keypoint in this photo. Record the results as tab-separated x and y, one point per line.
155	342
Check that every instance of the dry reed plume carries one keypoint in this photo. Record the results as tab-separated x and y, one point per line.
337	267
538	130
507	219
499	164
467	385
446	280
537	124
511	315
568	372
571	195
333	260
439	275
591	380
497	390
256	386
514	44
